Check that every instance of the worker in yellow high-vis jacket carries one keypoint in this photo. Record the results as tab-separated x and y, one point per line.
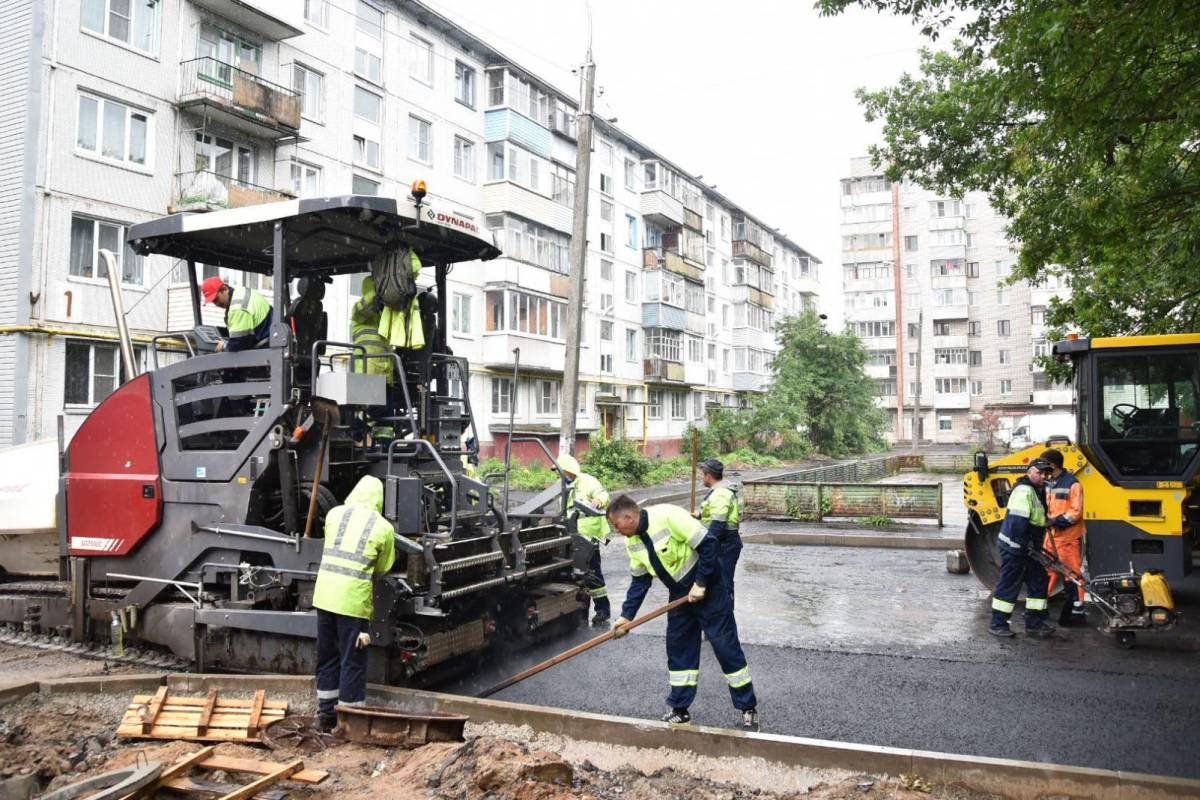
586	504
402	327
359	545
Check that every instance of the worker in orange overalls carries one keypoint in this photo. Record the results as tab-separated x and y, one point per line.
1064	524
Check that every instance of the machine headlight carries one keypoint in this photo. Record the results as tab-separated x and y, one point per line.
1160	616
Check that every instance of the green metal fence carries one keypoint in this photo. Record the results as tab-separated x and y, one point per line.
776	497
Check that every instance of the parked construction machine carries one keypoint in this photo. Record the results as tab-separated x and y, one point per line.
1137	454
185	496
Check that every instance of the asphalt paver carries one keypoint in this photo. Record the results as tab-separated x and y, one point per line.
884	647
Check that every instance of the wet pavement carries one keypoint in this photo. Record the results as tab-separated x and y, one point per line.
884	647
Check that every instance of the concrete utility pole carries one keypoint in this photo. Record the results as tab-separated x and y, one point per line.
916	415
583	165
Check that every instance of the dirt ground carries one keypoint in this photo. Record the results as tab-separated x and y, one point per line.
63	738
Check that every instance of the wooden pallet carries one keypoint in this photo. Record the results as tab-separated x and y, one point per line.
175	777
211	718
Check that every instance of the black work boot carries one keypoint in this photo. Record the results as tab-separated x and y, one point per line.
326	722
601	618
677	716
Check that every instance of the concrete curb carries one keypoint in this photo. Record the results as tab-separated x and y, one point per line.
854	540
1018	780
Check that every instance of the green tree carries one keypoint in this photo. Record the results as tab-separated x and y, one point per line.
820	398
1081	120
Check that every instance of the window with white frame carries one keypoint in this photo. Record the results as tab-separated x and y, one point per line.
310	85
92	371
1006	386
606	211
369	20
368	65
1003	327
631	345
1004	356
504	399
518	312
606	243
606	330
976	388
420	65
306	179
945	424
419	147
1041	348
316	12
630	287
606	270
630	174
655	409
464	158
114	131
222	51
464	84
225	158
695	349
1001	295
89	236
366	152
605	183
1037	315
363	185
631	231
725	360
976	358
664	343
368	105
547	397
678	405
528	241
950	385
131	23
460	313
606	362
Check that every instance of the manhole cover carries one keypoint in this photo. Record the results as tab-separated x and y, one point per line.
298	733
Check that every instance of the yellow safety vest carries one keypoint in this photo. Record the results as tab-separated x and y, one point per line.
721	505
586	489
359	544
675	534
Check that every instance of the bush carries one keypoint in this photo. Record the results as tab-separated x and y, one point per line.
746	457
526	477
615	462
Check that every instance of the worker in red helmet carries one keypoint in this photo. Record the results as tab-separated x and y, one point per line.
247	314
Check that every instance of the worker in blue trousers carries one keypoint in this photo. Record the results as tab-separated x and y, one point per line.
666	541
1023	531
721	513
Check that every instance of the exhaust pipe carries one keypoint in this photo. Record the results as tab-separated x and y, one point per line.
128	366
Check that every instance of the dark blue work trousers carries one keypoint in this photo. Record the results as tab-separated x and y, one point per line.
729	550
1016	567
714	617
596	587
341	663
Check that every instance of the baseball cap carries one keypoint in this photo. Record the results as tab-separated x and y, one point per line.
1042	465
210	287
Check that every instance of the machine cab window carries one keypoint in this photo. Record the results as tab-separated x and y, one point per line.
1146	408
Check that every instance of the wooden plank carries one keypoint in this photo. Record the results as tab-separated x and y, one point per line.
191	721
186	734
256	712
251	789
190	786
181	767
206	711
148	713
252	767
219	718
198	702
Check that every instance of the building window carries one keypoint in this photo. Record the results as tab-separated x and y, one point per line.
631	345
531	242
420	66
950	385
950	355
606	242
362	185
606	211
1001	295
605	183
631	231
695	349
93	372
976	388
606	362
655	404
945	424
460	313
370	20
887	387
306	179
366	152
1003	269
368	105
547	397
464	158
1004	356
941	329
976	358
503	399
725	360
418	140
88	237
519	312
630	173
114	131
910	244
309	84
368	65
1037	315
1003	327
975	329
606	269
678	405
464	84
133	23
972	269
1006	387
316	12
606	330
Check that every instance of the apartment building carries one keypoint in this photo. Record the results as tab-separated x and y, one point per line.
123	112
924	286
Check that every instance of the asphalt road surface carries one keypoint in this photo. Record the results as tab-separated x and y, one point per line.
884	647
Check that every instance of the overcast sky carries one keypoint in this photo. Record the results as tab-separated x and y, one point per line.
758	96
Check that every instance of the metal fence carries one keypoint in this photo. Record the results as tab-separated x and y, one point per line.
818	501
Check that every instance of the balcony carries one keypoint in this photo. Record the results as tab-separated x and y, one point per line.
956	400
661	315
661	208
950	370
693	220
949	281
505	196
660	370
743	248
538	354
254	17
949	312
953	340
751	381
239	99
209	191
